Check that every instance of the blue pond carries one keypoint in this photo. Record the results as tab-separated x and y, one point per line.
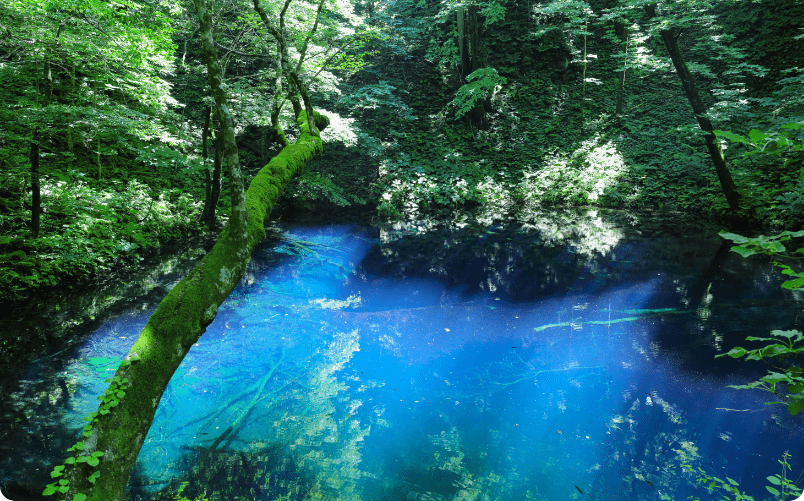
534	361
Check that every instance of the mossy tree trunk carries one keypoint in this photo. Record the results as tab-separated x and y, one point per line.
102	463
670	39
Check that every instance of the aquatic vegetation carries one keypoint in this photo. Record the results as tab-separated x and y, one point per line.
292	434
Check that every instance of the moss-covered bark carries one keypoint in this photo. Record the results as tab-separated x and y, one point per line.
174	327
102	463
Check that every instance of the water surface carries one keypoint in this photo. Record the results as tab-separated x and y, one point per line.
568	356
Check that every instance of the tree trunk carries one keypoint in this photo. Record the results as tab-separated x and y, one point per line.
207	173
622	33
35	192
117	432
215	191
212	177
670	39
463	52
36	195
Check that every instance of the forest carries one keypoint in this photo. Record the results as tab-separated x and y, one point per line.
131	129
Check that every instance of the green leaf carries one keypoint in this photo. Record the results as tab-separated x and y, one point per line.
795	407
787	334
49	490
731	136
774	480
743	251
738	239
93	461
774	377
736	352
773	350
794	284
80	497
757	136
796	388
772	490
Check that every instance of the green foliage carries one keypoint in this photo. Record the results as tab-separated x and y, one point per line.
89	231
110	399
493	11
784	346
731	487
787	139
771	246
313	186
377	99
481	85
571	14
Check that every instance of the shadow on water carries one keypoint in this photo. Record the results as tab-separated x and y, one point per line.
560	355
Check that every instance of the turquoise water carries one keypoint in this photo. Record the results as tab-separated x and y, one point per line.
501	363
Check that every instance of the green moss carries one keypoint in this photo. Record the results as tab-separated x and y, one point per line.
179	321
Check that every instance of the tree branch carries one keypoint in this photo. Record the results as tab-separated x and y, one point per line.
303	51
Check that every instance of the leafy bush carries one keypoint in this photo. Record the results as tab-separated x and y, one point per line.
481	85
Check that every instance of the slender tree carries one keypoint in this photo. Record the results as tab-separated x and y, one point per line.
670	38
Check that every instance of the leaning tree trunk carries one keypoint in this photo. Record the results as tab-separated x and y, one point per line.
102	463
670	39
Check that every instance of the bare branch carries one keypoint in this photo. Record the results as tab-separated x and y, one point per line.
233	51
310	35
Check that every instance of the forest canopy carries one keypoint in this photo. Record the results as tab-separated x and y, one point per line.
110	148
